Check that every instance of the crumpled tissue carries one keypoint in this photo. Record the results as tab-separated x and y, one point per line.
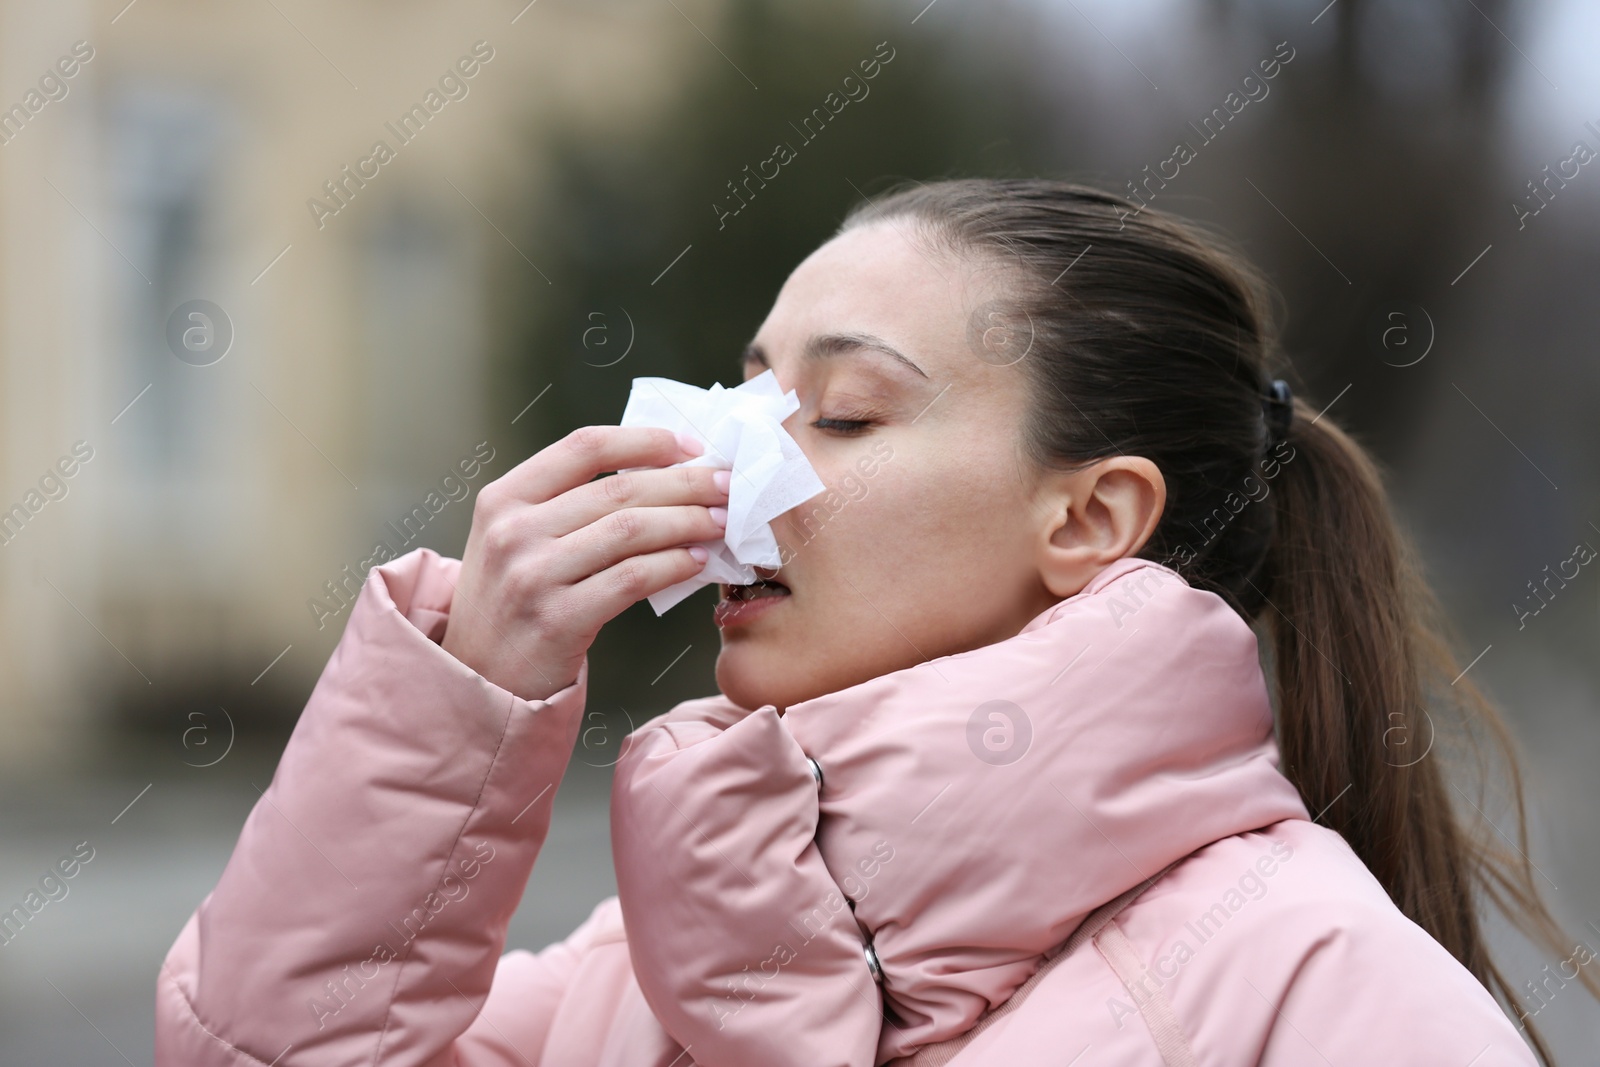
742	431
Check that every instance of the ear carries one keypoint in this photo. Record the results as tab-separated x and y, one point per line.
1096	516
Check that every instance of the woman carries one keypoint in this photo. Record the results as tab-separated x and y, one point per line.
992	775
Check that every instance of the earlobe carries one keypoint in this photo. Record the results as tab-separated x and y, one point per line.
1096	516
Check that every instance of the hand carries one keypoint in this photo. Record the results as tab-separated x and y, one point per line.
553	555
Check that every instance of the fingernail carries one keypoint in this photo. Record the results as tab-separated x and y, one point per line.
700	554
690	443
723	480
719	516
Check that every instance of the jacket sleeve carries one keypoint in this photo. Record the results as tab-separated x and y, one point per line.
363	912
528	993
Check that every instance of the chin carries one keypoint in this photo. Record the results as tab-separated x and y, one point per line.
738	679
752	680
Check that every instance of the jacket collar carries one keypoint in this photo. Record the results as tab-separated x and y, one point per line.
975	807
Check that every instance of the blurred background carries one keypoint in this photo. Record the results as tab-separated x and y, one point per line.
262	347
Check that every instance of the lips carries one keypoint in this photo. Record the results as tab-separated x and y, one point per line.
741	605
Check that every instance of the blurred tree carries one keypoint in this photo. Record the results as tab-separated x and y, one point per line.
1384	150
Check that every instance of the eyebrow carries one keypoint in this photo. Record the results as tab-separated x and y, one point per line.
823	345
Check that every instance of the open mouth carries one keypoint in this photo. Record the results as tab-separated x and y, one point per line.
756	590
741	605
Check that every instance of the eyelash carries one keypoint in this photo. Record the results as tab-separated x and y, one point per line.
842	426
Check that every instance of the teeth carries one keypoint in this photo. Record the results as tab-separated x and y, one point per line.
756	590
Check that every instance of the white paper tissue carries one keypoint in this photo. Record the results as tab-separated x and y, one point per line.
742	431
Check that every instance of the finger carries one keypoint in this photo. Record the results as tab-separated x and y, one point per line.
593	501
630	532
588	451
614	589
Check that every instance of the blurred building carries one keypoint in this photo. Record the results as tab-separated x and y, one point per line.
338	185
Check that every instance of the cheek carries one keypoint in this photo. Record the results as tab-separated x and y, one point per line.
880	576
856	515
916	526
952	505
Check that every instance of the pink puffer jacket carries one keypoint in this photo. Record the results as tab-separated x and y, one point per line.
885	873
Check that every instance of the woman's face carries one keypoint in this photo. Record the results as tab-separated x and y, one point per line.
926	541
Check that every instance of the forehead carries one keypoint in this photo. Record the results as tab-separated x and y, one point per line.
877	279
874	260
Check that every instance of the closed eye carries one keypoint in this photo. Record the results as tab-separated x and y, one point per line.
842	426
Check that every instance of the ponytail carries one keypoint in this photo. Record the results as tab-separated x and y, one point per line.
1371	700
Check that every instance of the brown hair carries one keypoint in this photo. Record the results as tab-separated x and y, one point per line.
1150	335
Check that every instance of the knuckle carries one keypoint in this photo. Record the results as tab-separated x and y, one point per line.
522	586
631	578
586	440
620	489
487	503
625	526
500	537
